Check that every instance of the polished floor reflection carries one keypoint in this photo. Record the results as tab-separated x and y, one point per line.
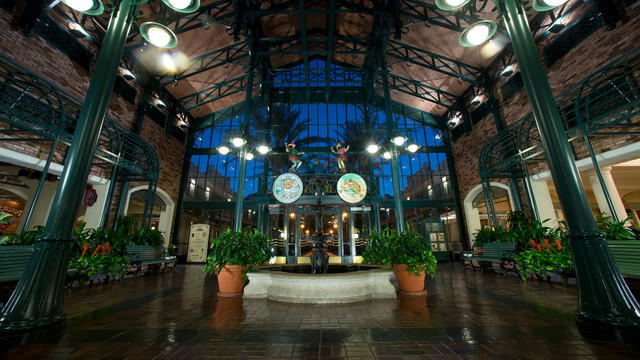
176	315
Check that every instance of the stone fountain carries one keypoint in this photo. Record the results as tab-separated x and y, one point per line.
325	285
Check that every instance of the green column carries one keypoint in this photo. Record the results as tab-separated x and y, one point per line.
395	173
37	300
243	153
606	308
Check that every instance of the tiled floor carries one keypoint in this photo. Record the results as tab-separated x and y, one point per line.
467	315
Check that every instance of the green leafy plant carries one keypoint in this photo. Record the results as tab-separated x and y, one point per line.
24	238
392	248
496	234
245	248
613	230
99	260
145	236
547	255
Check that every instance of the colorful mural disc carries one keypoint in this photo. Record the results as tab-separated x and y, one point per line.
287	188
352	188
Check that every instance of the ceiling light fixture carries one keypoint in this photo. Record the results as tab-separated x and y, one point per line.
373	148
477	33
158	35
451	4
238	141
249	156
89	7
399	140
413	147
223	150
183	6
387	155
544	5
263	149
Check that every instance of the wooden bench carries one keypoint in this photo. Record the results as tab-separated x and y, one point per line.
502	253
626	253
13	262
154	257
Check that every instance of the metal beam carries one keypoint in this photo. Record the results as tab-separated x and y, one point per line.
237	53
421	90
442	64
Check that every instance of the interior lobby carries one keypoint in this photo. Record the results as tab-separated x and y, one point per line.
185	114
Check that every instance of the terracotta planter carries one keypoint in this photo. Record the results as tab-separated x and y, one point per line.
409	284
230	281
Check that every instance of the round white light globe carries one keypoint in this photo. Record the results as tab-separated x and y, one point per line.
373	148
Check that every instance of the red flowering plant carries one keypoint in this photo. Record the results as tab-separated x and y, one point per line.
548	251
99	259
93	255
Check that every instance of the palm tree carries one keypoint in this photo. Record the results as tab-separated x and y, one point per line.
358	134
278	126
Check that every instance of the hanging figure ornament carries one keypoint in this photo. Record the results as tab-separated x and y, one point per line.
293	157
342	155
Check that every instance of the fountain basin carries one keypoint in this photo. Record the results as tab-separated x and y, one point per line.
287	283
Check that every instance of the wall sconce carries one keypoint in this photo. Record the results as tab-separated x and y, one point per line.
182	120
157	102
455	120
126	74
77	30
508	71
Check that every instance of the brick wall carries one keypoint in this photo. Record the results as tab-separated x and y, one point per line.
596	51
47	61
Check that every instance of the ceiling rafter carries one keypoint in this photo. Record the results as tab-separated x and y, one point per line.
442	64
413	11
421	90
237	53
215	92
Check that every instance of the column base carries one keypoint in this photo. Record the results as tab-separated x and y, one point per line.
8	328
620	329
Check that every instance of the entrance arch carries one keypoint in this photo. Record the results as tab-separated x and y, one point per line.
471	213
165	221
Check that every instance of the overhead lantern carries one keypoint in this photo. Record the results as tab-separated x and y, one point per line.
399	140
544	5
158	35
89	7
451	4
477	33
183	6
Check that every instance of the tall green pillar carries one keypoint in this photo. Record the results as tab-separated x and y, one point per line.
395	172
606	307
37	300
243	151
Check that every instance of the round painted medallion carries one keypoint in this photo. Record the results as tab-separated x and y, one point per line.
352	188
287	188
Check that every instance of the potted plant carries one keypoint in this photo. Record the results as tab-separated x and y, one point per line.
407	253
233	254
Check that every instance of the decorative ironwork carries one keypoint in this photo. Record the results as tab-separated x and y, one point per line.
607	102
